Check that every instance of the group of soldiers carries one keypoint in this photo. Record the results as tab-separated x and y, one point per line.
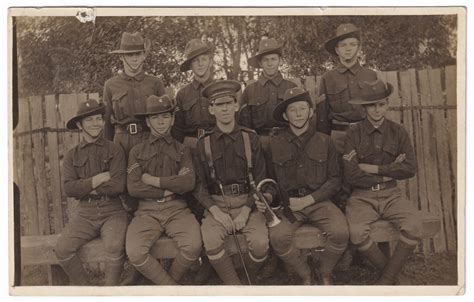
149	166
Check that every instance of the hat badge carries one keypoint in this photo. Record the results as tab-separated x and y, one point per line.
87	104
291	91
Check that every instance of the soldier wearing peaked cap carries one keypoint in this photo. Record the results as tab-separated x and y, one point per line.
93	172
160	171
377	153
193	118
305	164
260	98
226	159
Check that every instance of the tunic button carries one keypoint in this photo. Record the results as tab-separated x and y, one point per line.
301	166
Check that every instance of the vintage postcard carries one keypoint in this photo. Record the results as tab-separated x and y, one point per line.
237	151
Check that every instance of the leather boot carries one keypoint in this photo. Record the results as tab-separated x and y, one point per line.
328	260
74	269
179	267
153	270
375	256
113	271
395	264
204	272
225	270
253	267
295	260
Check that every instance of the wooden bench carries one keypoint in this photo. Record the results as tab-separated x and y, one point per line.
39	250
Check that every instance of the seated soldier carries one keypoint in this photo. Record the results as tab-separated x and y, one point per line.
93	172
377	152
224	174
304	162
159	171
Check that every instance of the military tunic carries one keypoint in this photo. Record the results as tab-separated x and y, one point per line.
100	211
308	165
230	164
161	210
374	196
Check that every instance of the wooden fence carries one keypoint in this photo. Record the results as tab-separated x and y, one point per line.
424	101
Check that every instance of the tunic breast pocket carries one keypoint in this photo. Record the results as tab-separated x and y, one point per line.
81	167
119	100
285	168
171	163
391	149
316	169
338	95
192	111
147	164
258	108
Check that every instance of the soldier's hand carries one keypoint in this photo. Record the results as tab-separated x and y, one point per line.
261	207
147	179
241	220
372	169
222	217
400	158
299	203
100	178
184	171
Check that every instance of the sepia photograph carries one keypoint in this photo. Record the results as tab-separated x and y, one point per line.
198	151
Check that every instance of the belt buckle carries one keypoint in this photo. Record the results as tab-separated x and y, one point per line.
274	131
133	128
301	192
235	189
375	188
161	200
200	132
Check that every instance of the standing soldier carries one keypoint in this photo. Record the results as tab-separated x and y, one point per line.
338	86
305	164
227	160
159	171
377	153
193	118
93	172
125	94
261	97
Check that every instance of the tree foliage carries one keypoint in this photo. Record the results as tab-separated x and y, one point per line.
62	55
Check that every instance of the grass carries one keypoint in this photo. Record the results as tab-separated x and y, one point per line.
438	269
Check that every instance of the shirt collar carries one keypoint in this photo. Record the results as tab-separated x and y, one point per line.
196	84
233	134
276	80
138	77
369	128
290	136
98	142
167	138
353	69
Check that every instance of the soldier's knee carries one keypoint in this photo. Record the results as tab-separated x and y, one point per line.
193	248
137	254
280	240
259	245
358	233
114	248
64	249
411	228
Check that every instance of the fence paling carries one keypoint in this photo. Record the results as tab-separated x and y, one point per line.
28	192
443	158
39	165
429	147
53	148
450	80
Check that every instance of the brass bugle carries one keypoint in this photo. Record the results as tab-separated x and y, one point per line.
272	218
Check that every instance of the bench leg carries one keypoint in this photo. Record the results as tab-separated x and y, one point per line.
57	276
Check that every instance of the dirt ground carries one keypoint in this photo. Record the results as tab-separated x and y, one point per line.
438	269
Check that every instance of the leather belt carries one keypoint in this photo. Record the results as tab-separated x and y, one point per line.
301	192
161	200
382	186
270	131
342	126
132	128
93	197
232	189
